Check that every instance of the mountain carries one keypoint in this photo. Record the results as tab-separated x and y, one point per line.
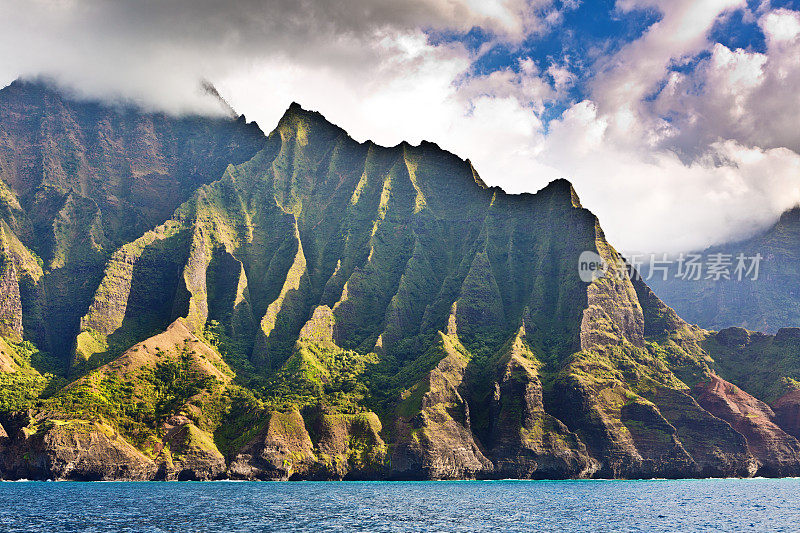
328	309
80	179
767	303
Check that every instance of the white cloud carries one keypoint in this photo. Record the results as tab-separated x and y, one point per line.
747	96
781	25
527	85
563	78
652	201
629	76
155	51
668	160
706	160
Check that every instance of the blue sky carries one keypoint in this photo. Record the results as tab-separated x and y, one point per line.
676	120
597	29
585	33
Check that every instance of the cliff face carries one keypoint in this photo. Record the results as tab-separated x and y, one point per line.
80	179
338	310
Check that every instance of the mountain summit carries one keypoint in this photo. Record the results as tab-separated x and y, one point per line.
328	309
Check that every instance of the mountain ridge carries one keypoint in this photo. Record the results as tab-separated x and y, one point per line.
81	178
379	313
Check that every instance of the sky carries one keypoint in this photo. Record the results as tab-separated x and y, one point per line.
675	120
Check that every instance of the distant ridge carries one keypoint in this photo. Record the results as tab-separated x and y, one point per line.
765	304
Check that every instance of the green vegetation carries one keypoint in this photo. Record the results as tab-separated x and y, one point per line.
35	379
137	402
764	365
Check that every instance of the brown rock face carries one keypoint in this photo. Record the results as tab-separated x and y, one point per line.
73	450
787	412
613	313
716	449
630	438
656	441
777	453
7	362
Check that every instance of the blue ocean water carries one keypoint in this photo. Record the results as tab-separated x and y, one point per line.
656	505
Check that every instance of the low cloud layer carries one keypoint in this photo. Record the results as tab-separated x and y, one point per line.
669	159
155	51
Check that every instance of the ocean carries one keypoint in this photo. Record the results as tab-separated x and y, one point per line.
585	505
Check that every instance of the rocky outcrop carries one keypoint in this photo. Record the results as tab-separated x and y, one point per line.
343	447
524	440
189	453
716	449
593	411
735	337
72	450
141	278
8	363
787	413
283	448
346	446
777	453
613	314
432	428
10	300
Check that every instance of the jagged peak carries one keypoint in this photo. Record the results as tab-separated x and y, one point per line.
430	145
476	177
212	91
790	216
296	110
559	188
295	114
562	187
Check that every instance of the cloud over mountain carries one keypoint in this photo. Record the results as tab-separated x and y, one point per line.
676	140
